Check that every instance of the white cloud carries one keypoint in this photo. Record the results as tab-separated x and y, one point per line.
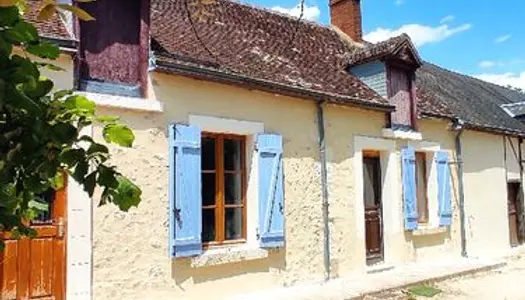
310	13
400	2
492	63
447	19
420	34
505	79
502	39
488	63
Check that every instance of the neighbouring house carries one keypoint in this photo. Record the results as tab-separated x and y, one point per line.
271	152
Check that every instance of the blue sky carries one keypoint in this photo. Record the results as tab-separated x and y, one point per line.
483	38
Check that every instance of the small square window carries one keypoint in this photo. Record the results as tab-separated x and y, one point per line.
223	188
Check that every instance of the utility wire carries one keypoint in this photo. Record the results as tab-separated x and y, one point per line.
197	36
216	58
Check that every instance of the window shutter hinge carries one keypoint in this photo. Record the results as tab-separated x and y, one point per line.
176	211
257	233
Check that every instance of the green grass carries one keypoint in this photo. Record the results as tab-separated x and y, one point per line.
424	291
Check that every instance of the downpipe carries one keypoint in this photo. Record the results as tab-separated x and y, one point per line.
521	235
458	127
324	187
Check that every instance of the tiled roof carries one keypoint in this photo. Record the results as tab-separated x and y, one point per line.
427	106
476	102
52	28
259	44
385	49
268	48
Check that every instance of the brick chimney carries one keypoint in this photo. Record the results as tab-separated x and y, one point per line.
114	49
346	16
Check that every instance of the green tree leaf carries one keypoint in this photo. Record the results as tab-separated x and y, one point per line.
127	194
107	119
47	12
42	88
39	128
80	104
24	70
96	149
44	49
61	94
5	47
107	177
90	183
8	16
22	32
71	157
62	133
118	134
81	170
57	182
37	205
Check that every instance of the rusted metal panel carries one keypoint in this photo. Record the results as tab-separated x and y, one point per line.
400	95
115	47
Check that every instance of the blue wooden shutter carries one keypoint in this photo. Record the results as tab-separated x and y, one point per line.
185	191
444	197
271	194
408	161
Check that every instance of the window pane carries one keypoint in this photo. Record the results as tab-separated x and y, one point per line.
233	226
208	225
45	217
208	189
421	182
232	188
371	181
208	153
232	155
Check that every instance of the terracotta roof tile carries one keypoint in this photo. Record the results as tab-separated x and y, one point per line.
52	28
257	43
428	106
385	49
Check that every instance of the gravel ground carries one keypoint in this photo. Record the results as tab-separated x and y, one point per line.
506	283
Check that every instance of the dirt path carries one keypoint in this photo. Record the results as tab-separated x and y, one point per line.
507	283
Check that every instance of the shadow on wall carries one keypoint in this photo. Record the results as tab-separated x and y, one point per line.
182	270
427	240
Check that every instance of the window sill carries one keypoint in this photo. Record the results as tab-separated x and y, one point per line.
401	134
124	102
427	230
227	255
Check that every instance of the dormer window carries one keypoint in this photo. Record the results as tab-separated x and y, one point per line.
389	69
400	83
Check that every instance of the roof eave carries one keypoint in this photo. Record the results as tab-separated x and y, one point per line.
68	46
490	129
427	115
266	86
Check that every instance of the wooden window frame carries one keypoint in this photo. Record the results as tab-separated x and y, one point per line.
422	214
371	153
220	205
